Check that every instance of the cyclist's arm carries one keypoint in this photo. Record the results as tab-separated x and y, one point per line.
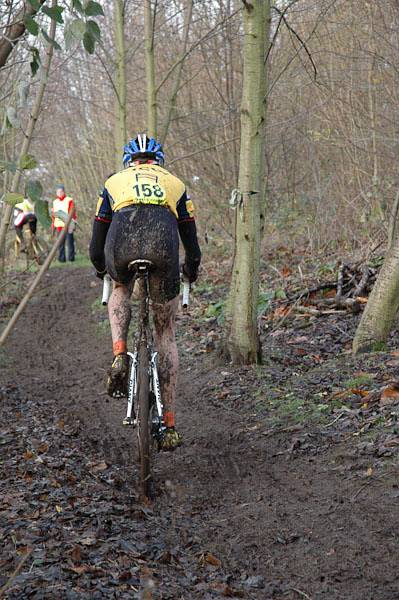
73	207
188	236
101	224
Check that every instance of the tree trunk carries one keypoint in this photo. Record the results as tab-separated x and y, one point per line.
28	135
179	69
149	18
120	100
13	33
243	343
382	306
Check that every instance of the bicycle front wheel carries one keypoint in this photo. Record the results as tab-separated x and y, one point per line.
144	419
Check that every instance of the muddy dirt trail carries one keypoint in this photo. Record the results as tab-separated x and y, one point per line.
240	512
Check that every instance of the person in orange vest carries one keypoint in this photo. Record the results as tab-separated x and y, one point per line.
64	204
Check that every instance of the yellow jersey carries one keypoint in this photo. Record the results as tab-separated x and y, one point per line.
144	184
26	206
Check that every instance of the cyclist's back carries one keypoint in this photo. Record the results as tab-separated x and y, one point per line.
145	184
140	214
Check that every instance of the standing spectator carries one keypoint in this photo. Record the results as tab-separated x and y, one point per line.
64	204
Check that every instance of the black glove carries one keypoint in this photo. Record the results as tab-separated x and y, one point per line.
190	272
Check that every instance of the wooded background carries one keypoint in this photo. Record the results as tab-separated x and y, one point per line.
331	135
330	142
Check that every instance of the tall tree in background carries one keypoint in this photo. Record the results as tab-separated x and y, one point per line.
120	85
178	67
243	340
149	23
28	135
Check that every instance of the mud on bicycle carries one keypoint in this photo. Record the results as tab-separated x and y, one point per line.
144	402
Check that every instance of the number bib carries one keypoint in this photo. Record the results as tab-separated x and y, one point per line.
147	190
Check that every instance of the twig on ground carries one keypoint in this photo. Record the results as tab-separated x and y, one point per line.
11	279
301	593
335	420
292	428
15	573
312	290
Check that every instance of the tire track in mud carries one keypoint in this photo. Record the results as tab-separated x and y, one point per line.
278	522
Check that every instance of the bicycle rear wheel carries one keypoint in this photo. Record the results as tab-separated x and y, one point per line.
144	419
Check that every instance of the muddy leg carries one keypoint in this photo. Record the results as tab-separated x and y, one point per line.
119	312
164	323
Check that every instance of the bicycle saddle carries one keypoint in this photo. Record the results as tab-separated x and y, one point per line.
140	265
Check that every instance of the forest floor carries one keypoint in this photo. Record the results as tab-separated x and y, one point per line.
286	487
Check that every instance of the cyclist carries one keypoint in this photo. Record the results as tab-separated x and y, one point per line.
24	212
140	213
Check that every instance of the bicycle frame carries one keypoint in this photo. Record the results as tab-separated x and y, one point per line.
145	337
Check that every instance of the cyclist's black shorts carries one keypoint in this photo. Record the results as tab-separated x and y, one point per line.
149	232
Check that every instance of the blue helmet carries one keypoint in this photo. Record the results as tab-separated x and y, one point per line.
143	147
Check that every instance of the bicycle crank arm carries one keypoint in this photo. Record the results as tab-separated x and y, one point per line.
130	418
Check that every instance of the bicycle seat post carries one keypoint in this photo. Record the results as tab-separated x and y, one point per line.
142	267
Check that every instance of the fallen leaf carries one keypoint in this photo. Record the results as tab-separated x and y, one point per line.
98	467
393	441
211	559
358	392
226	591
79	570
281	311
58	508
390	394
300	351
317	358
88	541
286	271
28	454
391	363
76	554
298	340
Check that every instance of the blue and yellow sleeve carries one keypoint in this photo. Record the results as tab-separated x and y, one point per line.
185	209
104	209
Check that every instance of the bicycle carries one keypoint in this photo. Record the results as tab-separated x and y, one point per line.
144	391
34	249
